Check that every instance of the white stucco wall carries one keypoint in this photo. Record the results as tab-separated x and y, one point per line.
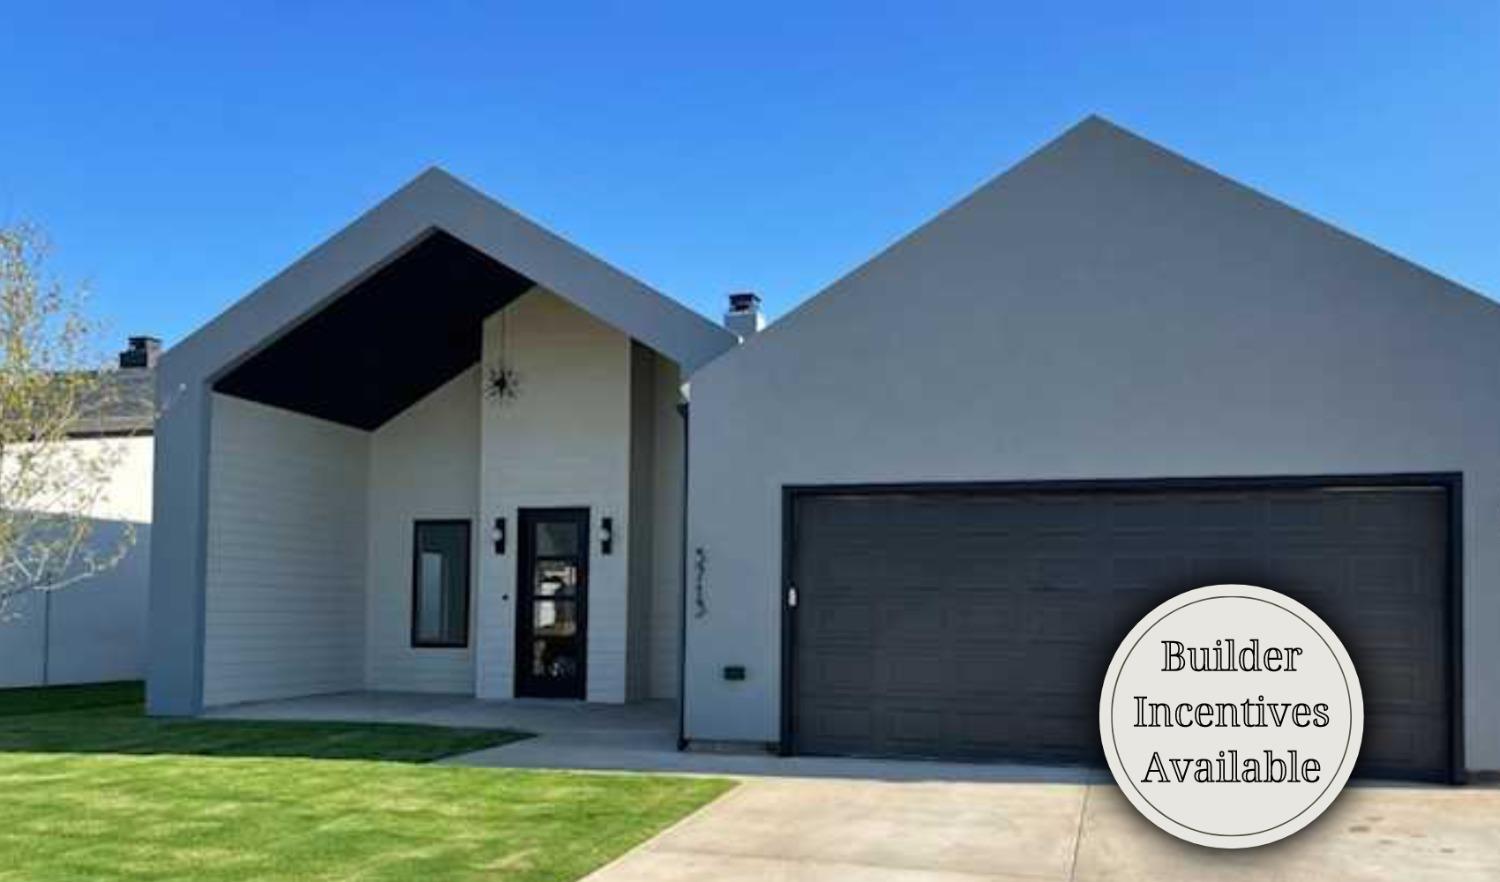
424	465
562	442
286	554
94	630
1105	310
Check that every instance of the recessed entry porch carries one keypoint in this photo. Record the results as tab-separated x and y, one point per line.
447	479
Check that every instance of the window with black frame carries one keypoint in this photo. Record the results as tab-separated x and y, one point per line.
440	584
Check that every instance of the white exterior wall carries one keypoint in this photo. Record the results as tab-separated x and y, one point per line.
95	630
1105	310
285	573
563	442
424	465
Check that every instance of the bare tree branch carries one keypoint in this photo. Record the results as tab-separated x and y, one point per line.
51	382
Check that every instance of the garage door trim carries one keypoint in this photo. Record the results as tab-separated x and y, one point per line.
1451	482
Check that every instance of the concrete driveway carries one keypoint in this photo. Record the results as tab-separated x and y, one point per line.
819	830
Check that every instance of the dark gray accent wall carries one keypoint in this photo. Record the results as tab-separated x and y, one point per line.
174	661
1104	310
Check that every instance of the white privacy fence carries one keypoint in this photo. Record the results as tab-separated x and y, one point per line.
91	632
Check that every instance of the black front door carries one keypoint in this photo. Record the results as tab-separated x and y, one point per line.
552	602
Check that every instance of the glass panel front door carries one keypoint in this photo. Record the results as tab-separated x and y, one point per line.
552	583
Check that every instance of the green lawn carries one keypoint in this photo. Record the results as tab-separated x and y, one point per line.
108	719
92	789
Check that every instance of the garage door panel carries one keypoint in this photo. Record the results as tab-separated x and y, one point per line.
1384	630
1379	512
916	673
979	625
1297	512
1059	514
914	622
914	727
973	676
1390	574
1398	748
983	617
973	575
978	732
1229	516
843	723
839	671
1143	514
844	617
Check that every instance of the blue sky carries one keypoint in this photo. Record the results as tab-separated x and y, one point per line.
179	154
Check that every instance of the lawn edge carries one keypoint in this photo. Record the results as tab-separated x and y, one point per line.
736	787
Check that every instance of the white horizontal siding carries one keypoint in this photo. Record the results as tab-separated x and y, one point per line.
284	606
424	465
564	441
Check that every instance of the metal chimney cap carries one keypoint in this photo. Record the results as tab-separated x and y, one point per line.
143	352
744	301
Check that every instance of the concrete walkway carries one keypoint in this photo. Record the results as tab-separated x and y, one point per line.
641	723
806	819
638	737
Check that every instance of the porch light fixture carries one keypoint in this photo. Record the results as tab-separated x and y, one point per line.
498	534
501	383
607	536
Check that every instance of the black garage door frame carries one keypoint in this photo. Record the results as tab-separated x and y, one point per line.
1451	482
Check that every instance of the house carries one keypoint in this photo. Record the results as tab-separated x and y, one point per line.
444	452
95	630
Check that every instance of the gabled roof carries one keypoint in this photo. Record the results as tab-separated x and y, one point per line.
1081	184
388	308
122	406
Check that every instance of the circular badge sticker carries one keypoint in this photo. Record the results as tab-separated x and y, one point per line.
1231	716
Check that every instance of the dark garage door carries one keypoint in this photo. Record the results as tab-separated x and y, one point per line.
979	623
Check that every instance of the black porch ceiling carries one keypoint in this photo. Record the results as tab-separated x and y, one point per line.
390	340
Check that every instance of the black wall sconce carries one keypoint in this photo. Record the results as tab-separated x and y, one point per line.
607	536
499	535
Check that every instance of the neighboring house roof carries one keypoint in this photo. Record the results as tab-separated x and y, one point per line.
390	307
123	405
